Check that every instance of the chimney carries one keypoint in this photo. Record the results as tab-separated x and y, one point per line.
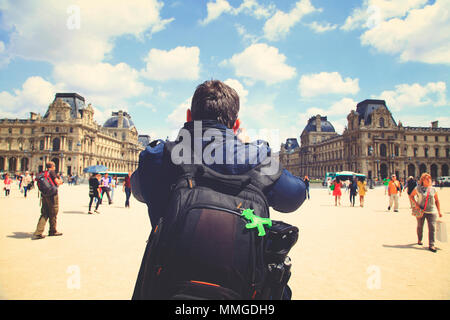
435	124
120	120
318	123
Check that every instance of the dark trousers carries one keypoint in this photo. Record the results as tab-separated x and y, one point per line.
25	189
49	211
106	190
307	191
352	198
431	222
92	200
127	196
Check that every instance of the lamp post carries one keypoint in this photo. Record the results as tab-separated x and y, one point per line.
378	169
61	168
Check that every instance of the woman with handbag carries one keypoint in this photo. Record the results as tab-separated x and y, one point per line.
426	207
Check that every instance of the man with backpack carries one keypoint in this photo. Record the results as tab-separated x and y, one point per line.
50	203
208	196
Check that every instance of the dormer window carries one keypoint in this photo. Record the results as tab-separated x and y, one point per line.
382	122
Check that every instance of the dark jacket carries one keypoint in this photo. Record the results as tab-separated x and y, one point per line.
151	181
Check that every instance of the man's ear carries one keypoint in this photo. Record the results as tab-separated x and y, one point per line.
237	124
188	115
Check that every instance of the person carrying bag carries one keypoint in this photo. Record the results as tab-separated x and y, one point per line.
426	206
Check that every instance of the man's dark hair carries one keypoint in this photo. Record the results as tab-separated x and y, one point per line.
214	100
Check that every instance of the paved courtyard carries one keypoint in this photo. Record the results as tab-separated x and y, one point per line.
342	253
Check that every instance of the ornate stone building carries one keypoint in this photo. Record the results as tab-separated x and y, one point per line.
372	143
68	135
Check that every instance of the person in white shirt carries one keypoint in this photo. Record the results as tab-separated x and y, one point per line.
26	183
113	186
105	185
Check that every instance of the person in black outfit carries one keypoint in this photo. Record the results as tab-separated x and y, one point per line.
94	193
307	185
410	186
353	190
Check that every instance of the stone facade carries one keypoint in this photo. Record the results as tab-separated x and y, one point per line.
373	144
69	136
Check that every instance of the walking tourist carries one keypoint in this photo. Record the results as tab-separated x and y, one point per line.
50	206
337	193
113	186
26	182
411	184
394	191
362	189
105	185
127	189
7	182
353	188
306	180
386	185
94	191
427	199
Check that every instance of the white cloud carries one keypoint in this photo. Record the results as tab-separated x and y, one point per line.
423	120
4	57
322	83
239	88
404	28
372	12
433	94
34	96
249	7
338	108
146	105
178	63
215	10
76	45
178	116
321	28
46	30
110	87
246	37
279	25
260	62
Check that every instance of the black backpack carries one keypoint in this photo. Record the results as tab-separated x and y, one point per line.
46	185
207	244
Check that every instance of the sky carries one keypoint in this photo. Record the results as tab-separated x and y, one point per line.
288	60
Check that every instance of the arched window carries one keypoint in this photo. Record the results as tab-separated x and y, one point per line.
382	122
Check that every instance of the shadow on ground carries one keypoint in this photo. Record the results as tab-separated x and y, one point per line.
75	212
21	235
408	246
